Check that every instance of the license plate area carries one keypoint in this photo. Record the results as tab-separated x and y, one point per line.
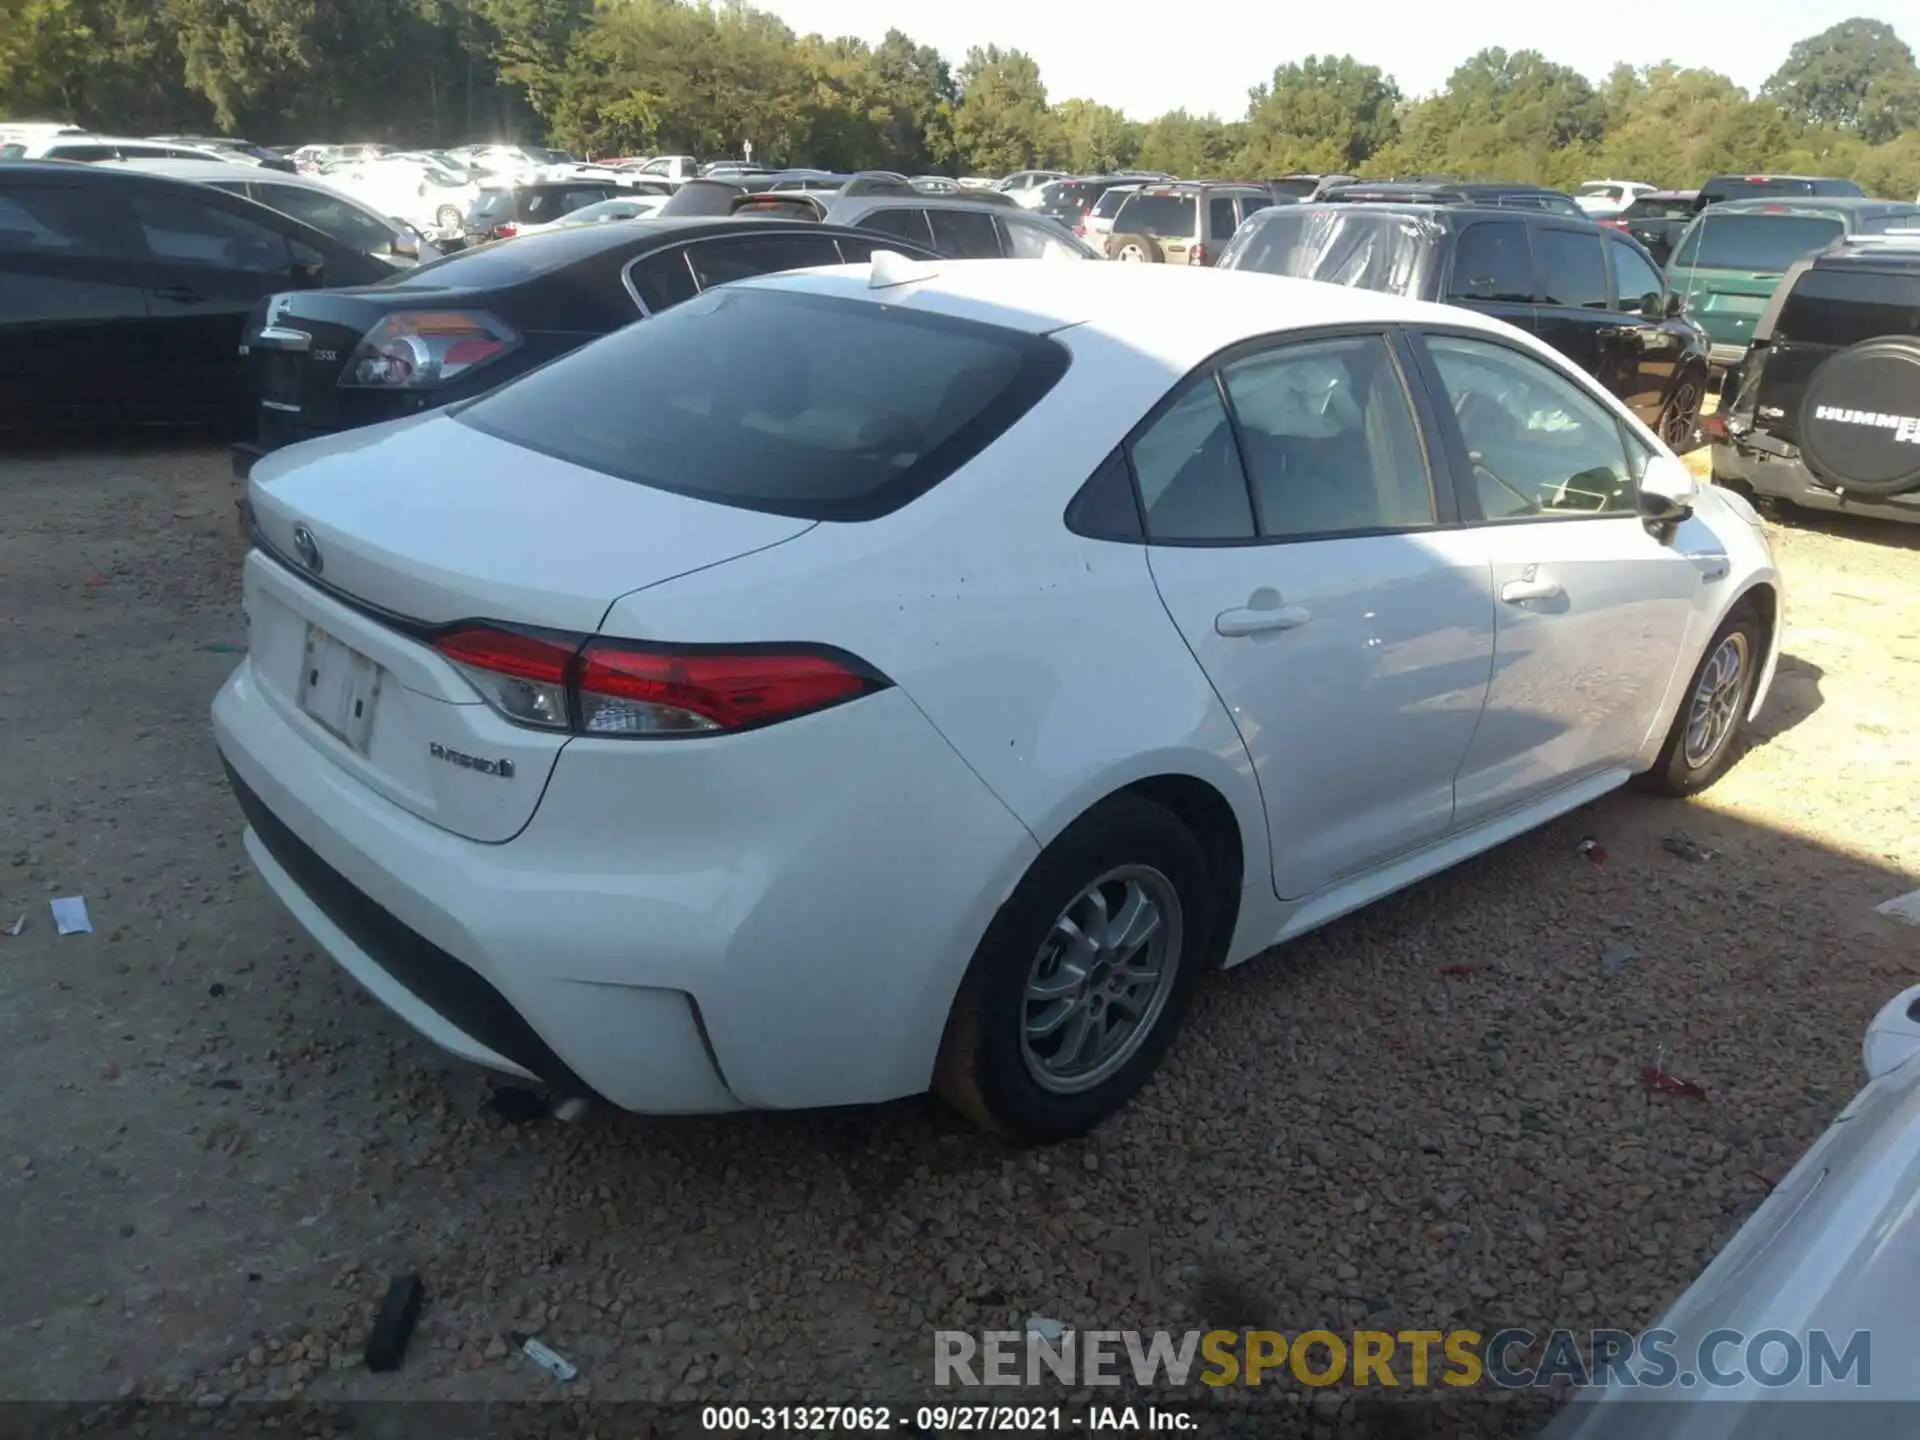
281	374
339	688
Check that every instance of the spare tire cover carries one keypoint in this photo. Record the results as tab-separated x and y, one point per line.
1860	418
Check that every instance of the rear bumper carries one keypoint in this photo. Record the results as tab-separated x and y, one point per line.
1781	474
776	927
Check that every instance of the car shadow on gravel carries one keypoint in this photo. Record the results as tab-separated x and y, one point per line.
1863	529
1792	701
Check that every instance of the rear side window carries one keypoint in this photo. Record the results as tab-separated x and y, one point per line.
1108	205
964	234
1492	262
1893	220
1572	272
180	231
772	400
715	262
1188	468
905	224
1220	217
1031	242
59	223
1162	216
493	204
87	154
329	214
663	281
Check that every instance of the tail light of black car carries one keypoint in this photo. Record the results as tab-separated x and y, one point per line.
626	689
419	349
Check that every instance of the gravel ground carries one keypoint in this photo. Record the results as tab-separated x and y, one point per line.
214	1150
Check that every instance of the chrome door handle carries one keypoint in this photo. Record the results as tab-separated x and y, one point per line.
1233	623
1518	592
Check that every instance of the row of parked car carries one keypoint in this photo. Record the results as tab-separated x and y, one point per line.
1530	256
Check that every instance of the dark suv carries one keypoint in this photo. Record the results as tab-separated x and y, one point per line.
1826	405
1656	219
1455	192
1593	294
1719	188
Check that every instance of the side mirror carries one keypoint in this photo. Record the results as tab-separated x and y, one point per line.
1667	491
1653	306
1676	304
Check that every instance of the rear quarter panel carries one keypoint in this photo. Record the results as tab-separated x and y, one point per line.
1046	659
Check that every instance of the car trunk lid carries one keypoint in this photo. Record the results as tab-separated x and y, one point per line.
372	540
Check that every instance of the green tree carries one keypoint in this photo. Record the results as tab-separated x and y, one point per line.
1323	113
1829	77
916	87
1003	123
1096	138
1191	145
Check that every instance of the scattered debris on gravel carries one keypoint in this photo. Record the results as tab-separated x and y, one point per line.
218	1152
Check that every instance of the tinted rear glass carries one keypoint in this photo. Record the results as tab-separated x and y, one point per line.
1646	209
1720	190
794	404
1302	187
1844	307
1754	242
493	202
1169	215
502	262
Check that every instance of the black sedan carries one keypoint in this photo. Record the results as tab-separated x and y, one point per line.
330	360
123	296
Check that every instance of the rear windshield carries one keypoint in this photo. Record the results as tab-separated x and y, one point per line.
1751	189
1844	307
493	202
1169	215
772	400
1647	208
503	262
1754	242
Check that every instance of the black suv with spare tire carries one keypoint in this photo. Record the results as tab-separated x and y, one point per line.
1826	405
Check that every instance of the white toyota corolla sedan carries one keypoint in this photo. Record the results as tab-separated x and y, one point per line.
874	679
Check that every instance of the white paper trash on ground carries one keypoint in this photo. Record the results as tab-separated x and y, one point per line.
70	915
1903	907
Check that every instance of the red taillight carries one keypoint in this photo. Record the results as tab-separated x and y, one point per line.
417	349
1614	224
1080	229
506	230
1197	255
621	688
640	690
1714	426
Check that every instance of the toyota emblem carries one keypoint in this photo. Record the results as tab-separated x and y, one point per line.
307	549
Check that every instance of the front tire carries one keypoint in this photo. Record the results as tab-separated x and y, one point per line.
1713	711
1680	419
1084	976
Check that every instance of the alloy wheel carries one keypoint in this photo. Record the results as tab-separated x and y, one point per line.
1100	980
1715	707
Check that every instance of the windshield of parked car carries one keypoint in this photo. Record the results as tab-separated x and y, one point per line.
794	404
1754	242
1157	215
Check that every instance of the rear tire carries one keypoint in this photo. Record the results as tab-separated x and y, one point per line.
1135	250
1062	1016
1713	711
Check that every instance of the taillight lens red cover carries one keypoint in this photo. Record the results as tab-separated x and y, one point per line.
591	685
418	349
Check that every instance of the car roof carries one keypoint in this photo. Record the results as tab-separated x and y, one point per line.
568	244
1807	205
217	170
1177	314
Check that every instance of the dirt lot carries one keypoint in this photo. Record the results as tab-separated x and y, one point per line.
214	1150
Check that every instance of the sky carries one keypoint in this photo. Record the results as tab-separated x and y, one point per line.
1151	56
